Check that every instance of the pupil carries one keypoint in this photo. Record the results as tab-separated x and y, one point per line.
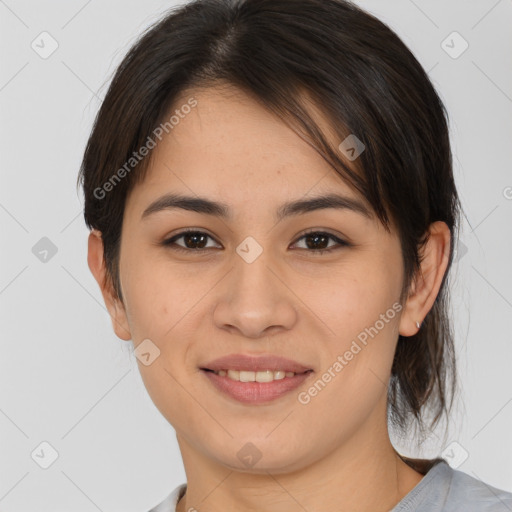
315	244
193	236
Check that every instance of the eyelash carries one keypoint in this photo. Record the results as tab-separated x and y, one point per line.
170	242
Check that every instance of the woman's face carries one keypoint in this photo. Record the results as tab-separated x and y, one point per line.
251	283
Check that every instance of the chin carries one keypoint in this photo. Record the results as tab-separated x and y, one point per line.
260	456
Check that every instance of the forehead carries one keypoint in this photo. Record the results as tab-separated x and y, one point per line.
230	146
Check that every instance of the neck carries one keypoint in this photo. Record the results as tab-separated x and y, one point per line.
363	474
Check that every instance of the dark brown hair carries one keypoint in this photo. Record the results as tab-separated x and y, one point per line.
360	75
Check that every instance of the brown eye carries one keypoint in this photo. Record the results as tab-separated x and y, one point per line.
318	242
192	241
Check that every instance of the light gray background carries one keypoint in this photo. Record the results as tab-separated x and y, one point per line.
67	380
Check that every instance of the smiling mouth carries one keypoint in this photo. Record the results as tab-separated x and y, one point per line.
255	376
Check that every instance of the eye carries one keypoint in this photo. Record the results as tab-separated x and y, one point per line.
194	240
316	240
197	241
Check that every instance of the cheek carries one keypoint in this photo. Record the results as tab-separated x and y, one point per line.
360	312
353	380
159	293
351	297
161	309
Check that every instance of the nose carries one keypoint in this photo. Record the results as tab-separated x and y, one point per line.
254	300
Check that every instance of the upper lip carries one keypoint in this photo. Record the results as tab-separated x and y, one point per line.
255	363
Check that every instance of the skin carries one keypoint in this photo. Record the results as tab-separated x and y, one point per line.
333	453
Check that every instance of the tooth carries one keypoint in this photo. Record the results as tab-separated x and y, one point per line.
250	376
266	376
234	374
246	376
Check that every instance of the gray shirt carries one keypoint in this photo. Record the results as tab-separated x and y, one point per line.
441	489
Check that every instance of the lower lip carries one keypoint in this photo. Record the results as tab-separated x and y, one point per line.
256	392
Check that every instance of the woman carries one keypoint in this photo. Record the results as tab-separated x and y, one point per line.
273	211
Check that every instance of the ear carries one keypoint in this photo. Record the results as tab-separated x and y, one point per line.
426	284
96	261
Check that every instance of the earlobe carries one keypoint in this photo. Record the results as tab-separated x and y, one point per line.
116	310
427	282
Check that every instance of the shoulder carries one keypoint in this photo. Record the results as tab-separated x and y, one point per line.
170	502
444	489
472	494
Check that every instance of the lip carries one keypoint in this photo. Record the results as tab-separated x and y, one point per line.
255	392
255	363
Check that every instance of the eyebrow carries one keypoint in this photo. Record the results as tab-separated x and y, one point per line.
222	210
